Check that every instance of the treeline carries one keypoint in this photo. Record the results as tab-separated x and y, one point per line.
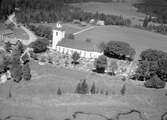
154	7
50	11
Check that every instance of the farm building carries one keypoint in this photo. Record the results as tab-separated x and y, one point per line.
100	23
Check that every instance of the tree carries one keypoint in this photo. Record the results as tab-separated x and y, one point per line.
40	45
16	72
84	87
26	71
155	82
20	46
75	57
152	62
119	50
93	89
16	67
101	64
152	55
78	88
8	46
25	58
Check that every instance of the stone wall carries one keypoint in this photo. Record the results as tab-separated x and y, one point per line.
84	54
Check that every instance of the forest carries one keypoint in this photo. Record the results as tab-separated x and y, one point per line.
156	8
51	11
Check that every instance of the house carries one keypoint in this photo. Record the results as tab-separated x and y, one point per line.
100	23
92	21
83	24
76	21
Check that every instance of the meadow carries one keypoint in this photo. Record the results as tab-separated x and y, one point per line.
37	99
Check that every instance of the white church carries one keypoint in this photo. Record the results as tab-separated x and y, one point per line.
59	35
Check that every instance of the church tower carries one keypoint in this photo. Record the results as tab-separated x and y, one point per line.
58	35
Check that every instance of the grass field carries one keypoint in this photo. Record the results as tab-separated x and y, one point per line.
37	98
125	9
138	39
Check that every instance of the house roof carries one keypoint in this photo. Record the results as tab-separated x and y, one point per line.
81	45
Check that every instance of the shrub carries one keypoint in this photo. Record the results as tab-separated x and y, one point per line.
119	50
101	64
93	89
40	45
71	36
88	40
106	93
155	82
75	57
26	72
123	90
59	92
50	59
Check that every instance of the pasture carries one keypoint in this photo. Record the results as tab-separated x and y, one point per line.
37	98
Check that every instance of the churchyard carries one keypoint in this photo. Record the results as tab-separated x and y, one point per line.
54	88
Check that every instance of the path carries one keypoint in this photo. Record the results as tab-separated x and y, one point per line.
84	30
32	36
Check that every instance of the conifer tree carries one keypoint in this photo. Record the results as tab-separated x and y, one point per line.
84	88
26	71
78	88
93	89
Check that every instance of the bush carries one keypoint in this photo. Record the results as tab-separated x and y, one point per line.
71	36
59	92
40	45
75	57
155	82
101	64
119	50
123	90
88	40
26	72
